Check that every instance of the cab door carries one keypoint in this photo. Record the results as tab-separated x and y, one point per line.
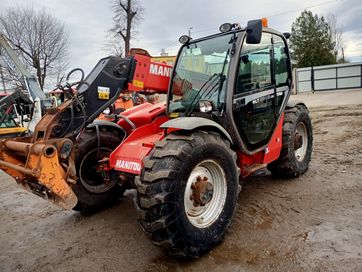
262	86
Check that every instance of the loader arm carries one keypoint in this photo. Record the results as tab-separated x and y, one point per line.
44	163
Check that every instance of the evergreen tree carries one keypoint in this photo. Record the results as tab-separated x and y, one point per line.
311	43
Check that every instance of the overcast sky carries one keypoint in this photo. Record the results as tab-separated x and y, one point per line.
87	21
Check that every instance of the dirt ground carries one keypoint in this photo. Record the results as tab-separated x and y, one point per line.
311	223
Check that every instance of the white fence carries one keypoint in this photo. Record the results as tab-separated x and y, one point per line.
329	77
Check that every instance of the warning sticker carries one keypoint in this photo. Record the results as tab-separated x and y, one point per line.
174	114
103	92
138	83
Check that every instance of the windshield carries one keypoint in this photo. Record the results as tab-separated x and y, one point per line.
6	121
200	73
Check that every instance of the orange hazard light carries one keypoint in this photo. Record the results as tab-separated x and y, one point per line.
264	21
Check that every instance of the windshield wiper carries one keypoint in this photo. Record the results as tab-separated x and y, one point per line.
222	76
205	88
213	81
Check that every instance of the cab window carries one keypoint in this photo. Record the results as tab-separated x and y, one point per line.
255	66
6	121
281	62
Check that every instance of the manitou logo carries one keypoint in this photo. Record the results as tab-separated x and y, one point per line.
160	70
127	165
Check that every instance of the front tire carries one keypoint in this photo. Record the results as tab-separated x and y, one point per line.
187	193
95	189
297	144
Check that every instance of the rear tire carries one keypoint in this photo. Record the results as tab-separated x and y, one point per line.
297	144
92	191
177	169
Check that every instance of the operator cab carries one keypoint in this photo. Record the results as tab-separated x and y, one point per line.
240	78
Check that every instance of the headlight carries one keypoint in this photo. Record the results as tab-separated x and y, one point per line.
184	39
226	27
205	106
107	111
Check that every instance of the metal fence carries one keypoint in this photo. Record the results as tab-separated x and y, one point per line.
329	77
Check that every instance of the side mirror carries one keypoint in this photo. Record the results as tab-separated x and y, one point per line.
286	35
254	31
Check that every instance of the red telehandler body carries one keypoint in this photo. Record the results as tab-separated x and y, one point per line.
227	114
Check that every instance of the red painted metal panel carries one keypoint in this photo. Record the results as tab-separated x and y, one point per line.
142	114
151	76
269	154
272	152
128	156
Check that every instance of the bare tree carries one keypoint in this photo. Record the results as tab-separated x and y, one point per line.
336	32
113	45
128	13
39	37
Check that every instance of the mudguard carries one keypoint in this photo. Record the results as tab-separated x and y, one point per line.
128	156
191	123
293	103
108	125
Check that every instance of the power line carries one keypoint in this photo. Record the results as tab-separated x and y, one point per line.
171	44
280	14
270	16
309	7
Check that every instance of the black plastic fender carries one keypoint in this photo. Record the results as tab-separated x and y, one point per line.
191	123
107	125
293	103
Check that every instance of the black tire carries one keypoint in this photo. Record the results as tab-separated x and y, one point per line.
289	164
92	192
162	185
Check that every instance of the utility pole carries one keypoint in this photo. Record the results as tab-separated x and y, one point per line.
342	55
190	31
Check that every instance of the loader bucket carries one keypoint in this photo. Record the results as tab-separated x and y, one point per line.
38	168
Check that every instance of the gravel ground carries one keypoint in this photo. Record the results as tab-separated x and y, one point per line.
311	223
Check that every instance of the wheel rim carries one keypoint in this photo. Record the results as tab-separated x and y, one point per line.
301	133
91	175
205	194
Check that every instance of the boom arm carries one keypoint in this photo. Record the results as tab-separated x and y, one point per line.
31	81
97	92
150	76
16	97
44	163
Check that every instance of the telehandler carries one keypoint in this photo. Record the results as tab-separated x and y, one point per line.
227	115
